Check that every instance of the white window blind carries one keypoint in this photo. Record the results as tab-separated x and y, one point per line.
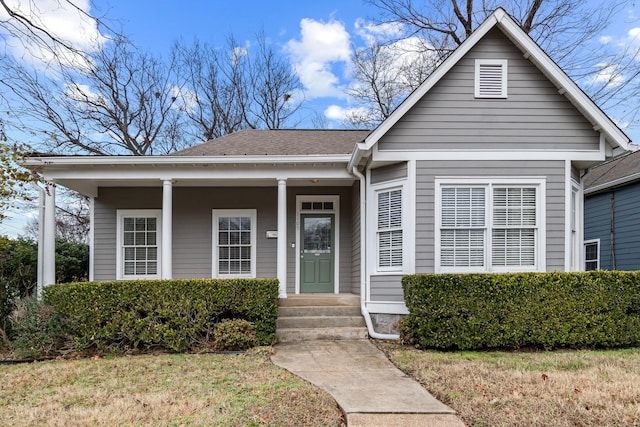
463	227
390	228
514	224
488	227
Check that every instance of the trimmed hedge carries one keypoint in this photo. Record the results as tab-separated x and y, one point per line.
531	310
178	315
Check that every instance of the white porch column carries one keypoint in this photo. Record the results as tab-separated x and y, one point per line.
167	228
49	236
282	237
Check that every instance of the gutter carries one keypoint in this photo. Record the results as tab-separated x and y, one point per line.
363	257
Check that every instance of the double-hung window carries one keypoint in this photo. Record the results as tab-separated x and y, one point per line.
592	255
488	226
234	243
389	229
138	244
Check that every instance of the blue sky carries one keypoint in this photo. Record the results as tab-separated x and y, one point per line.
316	36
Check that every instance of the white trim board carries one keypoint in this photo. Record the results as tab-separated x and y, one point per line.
300	198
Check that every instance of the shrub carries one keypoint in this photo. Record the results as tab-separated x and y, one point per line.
234	334
539	310
18	270
178	315
37	331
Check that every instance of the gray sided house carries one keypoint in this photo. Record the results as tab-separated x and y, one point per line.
612	214
479	170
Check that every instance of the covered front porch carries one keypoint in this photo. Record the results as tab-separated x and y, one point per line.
152	218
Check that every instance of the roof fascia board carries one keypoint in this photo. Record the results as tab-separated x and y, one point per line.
183	160
611	184
560	78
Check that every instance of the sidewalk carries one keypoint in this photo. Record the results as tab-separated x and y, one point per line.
370	390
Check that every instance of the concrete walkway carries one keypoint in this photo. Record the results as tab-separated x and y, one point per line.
368	387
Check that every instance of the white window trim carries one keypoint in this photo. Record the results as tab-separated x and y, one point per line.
480	62
540	238
336	218
216	214
584	261
407	228
147	213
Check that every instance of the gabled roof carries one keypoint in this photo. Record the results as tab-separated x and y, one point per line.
614	173
500	19
279	142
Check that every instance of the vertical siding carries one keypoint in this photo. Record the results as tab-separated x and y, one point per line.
626	226
192	227
534	116
553	171
389	173
597	225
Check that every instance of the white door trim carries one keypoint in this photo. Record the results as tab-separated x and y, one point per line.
335	199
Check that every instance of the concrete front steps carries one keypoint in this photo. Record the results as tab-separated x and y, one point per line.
320	316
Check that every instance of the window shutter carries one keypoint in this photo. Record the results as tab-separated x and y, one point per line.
390	228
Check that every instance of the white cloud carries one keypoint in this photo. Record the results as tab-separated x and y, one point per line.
376	32
606	39
62	20
186	100
341	114
608	75
321	46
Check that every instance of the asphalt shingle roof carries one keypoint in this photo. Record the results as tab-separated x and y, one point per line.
622	167
279	142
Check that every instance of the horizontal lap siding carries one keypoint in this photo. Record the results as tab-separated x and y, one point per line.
192	227
627	228
426	172
389	173
386	288
534	116
109	200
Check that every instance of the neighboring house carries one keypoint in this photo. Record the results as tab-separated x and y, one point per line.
612	214
478	170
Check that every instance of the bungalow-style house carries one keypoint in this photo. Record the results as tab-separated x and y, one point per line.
478	170
612	215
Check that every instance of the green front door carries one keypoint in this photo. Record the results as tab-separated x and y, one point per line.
317	256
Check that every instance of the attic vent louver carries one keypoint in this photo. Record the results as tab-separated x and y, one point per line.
491	78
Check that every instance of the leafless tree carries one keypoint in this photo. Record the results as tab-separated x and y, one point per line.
236	87
215	97
274	86
565	29
121	103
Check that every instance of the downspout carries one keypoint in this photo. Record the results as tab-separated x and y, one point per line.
363	257
39	279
